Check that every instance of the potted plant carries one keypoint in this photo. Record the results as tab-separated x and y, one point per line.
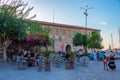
84	58
85	54
46	54
71	60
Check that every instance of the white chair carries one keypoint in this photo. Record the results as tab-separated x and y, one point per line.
21	64
18	60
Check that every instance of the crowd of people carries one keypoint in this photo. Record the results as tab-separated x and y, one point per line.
27	55
108	58
108	62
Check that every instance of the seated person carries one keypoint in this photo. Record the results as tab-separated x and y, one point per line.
31	58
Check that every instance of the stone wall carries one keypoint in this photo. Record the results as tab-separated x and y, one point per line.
66	39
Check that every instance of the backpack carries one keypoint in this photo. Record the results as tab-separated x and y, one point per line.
105	60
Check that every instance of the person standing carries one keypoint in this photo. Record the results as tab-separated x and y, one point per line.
111	63
94	53
105	60
97	56
80	53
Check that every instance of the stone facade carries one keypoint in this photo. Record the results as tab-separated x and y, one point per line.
62	34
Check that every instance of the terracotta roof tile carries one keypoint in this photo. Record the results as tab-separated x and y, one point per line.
63	25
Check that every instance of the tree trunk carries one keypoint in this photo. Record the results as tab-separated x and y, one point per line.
94	49
46	47
4	54
84	48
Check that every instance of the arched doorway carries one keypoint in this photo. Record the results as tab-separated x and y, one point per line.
68	48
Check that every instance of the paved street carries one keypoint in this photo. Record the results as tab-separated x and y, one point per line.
94	71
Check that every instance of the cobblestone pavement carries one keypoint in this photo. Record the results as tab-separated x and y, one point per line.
94	71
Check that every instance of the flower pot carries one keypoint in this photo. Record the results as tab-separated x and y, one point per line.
47	64
71	63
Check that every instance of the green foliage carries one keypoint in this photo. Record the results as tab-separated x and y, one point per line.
85	54
10	26
46	37
79	39
34	28
13	22
46	30
95	41
46	53
72	54
40	40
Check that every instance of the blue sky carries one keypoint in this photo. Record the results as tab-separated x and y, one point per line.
105	15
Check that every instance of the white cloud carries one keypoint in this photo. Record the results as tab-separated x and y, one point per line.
102	23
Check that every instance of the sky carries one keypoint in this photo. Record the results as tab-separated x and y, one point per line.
104	16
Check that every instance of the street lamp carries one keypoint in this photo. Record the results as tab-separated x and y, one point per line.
86	14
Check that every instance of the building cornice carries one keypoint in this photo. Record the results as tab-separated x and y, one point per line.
63	25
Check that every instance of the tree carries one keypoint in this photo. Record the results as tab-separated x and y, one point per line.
80	40
13	16
36	35
46	40
94	41
34	28
33	40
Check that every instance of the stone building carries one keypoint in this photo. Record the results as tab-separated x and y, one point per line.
62	34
